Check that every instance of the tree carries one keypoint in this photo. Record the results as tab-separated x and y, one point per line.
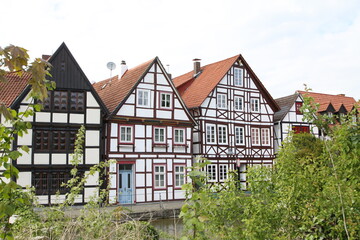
312	192
15	60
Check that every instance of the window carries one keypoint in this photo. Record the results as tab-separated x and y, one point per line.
210	133
223	170
298	105
222	133
255	136
60	101
238	77
254	104
54	141
77	101
238	103
301	129
42	139
51	182
239	135
126	134
265	136
165	100
179	136
159	176
64	101
179	176
143	98
159	135
211	172
221	101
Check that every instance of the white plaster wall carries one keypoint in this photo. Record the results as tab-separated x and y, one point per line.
140	180
149	78
56	199
113	179
92	156
159	195
42	199
141	112
24	179
92	179
92	138
180	114
113	145
25	158
90	100
41	158
161	79
179	194
90	192
76	118
23	108
163	114
93	116
140	195
42	117
126	110
131	99
139	145
140	131
148	180
149	194
112	196
148	165
140	165
58	158
164	88
60	117
114	130
26	139
224	80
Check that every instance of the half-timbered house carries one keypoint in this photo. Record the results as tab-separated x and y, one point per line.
234	114
73	103
290	118
149	134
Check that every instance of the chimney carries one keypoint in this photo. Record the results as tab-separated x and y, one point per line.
342	95
123	68
197	66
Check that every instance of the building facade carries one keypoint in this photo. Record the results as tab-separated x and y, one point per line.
73	103
234	115
148	134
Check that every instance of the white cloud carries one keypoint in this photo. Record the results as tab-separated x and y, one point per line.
287	43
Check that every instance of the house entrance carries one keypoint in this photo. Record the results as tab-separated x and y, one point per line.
125	184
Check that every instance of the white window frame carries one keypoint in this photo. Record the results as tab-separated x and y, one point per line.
140	99
157	140
238	103
223	172
265	136
161	100
210	133
128	130
255	136
176	137
159	176
221	101
238	77
179	175
255	105
239	135
222	134
211	172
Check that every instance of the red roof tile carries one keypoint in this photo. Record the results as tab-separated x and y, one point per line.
9	91
114	90
194	90
336	101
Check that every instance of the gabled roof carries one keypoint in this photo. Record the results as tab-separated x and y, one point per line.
285	103
113	91
15	85
324	100
195	89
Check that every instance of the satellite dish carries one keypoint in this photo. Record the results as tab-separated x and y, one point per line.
111	66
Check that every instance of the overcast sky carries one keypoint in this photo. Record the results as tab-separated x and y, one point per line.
286	43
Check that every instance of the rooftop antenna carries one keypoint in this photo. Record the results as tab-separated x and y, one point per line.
111	66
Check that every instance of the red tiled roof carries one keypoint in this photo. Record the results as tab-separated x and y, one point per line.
10	90
194	90
113	90
204	83
336	100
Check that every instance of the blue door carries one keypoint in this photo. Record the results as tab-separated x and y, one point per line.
125	184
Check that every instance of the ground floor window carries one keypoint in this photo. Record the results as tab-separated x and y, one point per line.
211	172
223	172
179	176
51	182
159	174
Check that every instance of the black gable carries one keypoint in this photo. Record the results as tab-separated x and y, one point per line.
66	72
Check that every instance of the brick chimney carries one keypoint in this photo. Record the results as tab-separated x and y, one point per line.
123	68
197	66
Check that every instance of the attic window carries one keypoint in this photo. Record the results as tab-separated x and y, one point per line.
298	105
